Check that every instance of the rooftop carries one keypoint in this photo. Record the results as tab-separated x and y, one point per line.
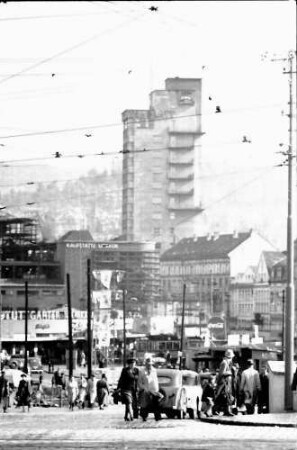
205	247
77	236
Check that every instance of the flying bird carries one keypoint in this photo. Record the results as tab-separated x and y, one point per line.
57	155
218	109
30	203
2	145
53	75
153	8
129	71
245	139
88	135
209	98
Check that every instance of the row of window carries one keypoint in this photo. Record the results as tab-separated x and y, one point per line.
203	282
32	293
196	269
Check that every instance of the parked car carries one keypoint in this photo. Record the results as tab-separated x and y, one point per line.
17	362
35	366
182	390
14	376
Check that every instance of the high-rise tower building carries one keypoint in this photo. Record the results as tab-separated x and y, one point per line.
161	164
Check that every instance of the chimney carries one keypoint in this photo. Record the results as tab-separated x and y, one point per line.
235	234
208	237
216	235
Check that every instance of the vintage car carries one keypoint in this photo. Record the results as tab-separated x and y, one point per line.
14	376
182	392
35	366
17	362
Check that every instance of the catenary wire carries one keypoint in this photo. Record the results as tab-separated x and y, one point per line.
131	122
107	177
69	49
95	193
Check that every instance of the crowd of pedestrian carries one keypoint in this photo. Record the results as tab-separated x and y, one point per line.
232	390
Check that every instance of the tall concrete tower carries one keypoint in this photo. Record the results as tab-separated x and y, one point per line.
161	163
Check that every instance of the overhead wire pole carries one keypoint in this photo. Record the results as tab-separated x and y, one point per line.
182	328
124	329
70	339
291	223
26	327
89	320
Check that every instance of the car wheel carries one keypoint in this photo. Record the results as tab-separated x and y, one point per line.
170	414
191	413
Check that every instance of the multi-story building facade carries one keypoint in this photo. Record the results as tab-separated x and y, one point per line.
161	164
209	265
29	268
140	262
251	296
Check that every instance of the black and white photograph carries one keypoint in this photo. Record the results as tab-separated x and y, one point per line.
148	228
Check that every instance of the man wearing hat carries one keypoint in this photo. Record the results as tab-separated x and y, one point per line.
128	385
251	386
23	393
150	396
225	383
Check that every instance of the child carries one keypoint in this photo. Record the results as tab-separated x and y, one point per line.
208	396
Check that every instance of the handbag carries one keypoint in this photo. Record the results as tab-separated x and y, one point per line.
116	396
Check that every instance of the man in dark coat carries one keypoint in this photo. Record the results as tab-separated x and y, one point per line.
23	393
4	391
128	386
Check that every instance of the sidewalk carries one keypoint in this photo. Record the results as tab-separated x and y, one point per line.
285	419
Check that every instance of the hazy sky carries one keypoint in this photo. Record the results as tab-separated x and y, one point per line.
66	65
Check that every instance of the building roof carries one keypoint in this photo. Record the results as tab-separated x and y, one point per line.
77	236
205	247
272	258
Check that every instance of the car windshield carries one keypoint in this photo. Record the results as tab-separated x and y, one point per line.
190	380
164	380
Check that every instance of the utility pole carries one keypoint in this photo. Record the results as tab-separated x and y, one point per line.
124	328
26	327
290	297
283	322
182	332
89	320
289	320
70	339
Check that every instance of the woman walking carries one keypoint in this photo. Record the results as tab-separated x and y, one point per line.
82	391
91	390
102	392
72	392
128	386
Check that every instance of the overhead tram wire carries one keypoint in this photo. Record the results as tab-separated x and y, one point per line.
107	177
69	49
59	155
133	122
49	16
234	191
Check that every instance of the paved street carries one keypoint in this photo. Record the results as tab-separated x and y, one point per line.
55	428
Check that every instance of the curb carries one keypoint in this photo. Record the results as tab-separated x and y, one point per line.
218	421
